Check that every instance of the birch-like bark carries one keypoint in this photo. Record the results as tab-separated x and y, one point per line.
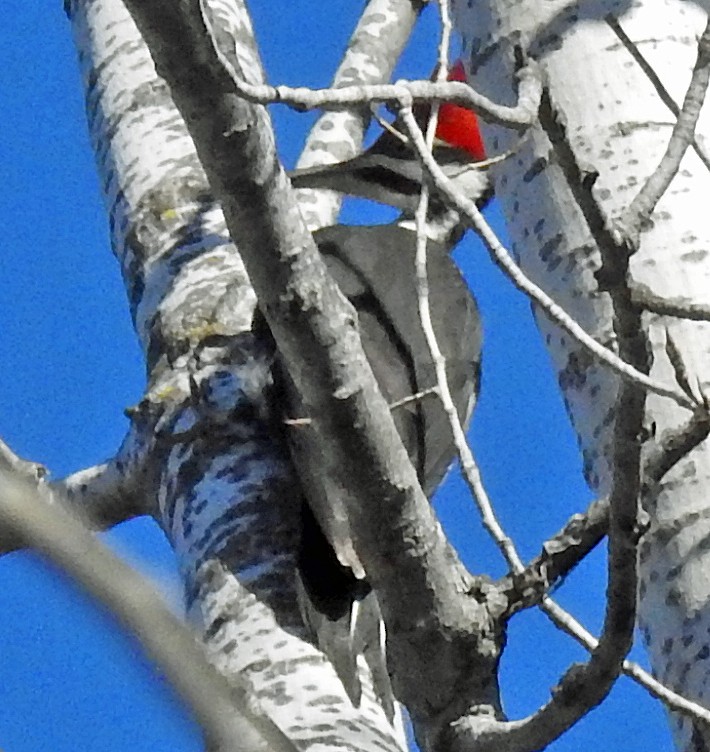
338	136
566	193
219	480
443	638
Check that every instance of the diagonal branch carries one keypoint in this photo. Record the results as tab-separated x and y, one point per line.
221	710
641	208
504	261
376	43
583	533
673	701
423	587
104	495
647	68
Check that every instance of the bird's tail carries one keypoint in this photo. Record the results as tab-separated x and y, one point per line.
354	638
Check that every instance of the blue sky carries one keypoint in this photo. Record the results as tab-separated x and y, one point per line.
69	679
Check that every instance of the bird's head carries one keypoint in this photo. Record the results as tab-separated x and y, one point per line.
457	126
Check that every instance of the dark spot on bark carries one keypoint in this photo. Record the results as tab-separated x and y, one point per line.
534	170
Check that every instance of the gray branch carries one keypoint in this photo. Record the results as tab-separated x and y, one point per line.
220	709
443	644
373	50
100	497
520	117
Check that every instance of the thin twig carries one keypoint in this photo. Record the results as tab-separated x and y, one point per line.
445	41
661	90
641	208
504	261
567	623
468	464
347	97
676	444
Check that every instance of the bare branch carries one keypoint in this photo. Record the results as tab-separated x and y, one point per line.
641	208
627	597
220	709
560	554
468	464
424	590
663	94
504	261
443	51
103	496
100	497
583	532
426	393
582	688
585	686
302	98
671	699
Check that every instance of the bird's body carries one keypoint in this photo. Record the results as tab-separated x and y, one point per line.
374	266
375	269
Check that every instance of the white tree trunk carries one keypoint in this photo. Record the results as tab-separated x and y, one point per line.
612	123
221	488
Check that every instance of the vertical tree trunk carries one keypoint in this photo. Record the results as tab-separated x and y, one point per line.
566	192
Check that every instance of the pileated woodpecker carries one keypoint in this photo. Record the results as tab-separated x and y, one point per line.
374	266
375	269
390	171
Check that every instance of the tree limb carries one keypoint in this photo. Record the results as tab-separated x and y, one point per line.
100	497
382	32
221	710
435	628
